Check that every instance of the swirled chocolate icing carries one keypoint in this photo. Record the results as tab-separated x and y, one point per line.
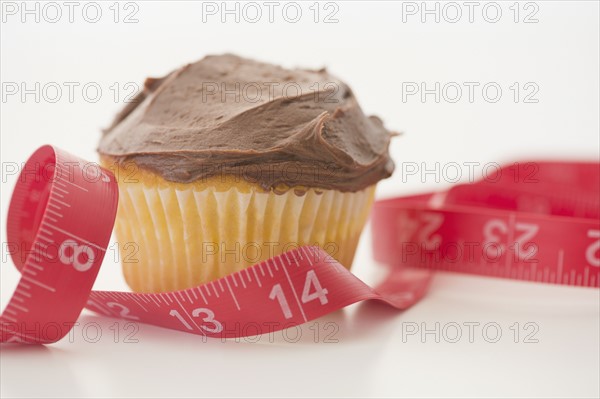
272	126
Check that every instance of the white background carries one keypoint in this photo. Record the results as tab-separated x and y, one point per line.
375	51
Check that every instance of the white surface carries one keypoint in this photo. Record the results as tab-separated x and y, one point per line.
375	52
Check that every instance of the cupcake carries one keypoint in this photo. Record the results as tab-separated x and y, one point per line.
228	161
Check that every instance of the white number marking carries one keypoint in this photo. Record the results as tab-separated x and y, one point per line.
175	313
277	292
593	249
74	258
321	293
215	325
310	282
124	310
494	229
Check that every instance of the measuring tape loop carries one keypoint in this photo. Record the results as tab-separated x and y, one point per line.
63	209
59	223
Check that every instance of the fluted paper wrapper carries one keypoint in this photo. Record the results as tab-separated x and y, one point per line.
174	236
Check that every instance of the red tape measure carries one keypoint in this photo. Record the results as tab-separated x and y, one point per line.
544	228
63	209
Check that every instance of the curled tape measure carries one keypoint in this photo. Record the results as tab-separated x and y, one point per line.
62	212
533	221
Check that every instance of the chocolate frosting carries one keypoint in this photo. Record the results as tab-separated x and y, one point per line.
233	116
